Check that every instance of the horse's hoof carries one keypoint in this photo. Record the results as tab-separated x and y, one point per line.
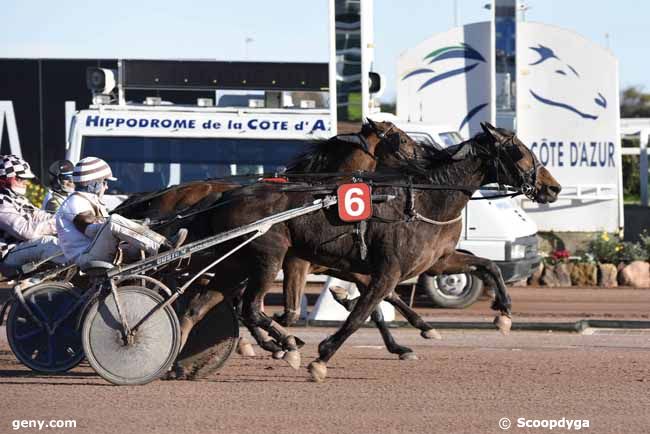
503	323
245	348
171	375
318	371
175	373
340	294
292	358
408	356
430	334
278	355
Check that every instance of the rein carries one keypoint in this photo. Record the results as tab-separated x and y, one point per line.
298	187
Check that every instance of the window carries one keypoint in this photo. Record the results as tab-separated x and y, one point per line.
451	138
151	163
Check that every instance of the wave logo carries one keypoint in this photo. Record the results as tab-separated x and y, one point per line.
461	51
559	68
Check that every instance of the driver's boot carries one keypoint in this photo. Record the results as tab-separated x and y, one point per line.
177	240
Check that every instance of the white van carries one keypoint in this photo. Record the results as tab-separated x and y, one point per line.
152	147
497	229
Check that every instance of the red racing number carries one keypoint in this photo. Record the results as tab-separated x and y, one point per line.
354	202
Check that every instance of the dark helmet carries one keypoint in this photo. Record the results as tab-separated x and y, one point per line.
58	172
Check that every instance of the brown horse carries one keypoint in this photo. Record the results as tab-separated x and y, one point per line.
415	215
341	154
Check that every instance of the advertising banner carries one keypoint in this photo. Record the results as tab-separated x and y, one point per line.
568	114
449	79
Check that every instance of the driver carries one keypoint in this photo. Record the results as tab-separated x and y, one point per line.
61	185
88	233
27	234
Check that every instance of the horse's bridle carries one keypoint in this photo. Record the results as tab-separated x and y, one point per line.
528	178
384	135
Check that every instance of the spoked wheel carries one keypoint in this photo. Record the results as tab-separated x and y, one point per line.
54	345
151	350
455	291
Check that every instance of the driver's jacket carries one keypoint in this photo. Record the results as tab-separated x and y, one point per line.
21	221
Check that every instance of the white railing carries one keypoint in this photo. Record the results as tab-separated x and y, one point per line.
642	152
589	192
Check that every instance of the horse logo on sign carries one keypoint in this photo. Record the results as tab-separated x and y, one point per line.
562	70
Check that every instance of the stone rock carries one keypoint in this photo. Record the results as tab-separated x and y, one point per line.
636	274
519	283
584	274
535	278
563	273
607	275
549	278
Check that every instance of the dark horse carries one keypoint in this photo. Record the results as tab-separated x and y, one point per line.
343	153
403	242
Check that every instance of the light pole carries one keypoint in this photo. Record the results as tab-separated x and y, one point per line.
247	41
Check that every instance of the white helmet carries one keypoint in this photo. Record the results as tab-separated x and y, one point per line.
90	170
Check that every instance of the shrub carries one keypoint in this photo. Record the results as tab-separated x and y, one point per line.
557	256
604	248
610	249
645	241
35	193
632	252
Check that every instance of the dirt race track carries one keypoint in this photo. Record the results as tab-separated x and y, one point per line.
463	384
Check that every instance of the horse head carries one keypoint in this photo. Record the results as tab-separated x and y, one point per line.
517	166
389	142
377	143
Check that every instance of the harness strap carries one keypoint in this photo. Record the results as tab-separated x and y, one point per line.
360	232
420	217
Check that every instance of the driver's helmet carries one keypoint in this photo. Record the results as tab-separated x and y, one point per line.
12	166
90	172
60	171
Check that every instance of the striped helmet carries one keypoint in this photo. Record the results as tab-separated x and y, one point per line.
12	166
91	169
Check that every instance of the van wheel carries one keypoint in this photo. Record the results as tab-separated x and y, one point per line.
456	291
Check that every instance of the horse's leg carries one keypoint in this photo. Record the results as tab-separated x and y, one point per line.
257	321
487	270
198	307
380	285
404	353
426	330
295	278
342	297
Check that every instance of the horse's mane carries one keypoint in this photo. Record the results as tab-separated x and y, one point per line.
314	159
140	198
318	157
434	165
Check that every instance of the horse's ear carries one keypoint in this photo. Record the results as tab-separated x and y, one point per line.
372	123
492	131
348	138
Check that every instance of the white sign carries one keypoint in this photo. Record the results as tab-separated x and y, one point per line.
448	79
202	124
568	114
7	113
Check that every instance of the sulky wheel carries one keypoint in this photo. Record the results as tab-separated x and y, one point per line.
54	345
152	349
